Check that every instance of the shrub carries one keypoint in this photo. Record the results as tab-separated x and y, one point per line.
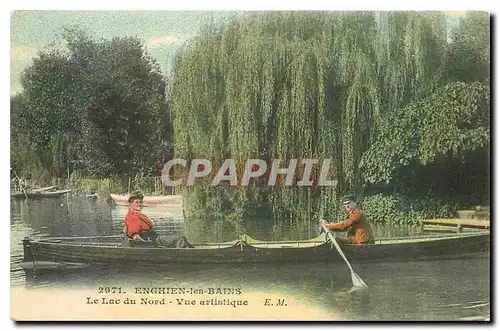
396	209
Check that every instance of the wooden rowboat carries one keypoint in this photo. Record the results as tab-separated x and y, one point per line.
111	250
150	200
17	194
53	194
38	194
43	189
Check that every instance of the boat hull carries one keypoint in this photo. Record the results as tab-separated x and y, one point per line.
444	248
38	194
247	250
43	189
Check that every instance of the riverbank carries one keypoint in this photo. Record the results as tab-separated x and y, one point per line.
381	208
104	186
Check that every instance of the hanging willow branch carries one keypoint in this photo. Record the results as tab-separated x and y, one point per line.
299	85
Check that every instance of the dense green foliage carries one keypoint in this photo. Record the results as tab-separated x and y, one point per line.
398	100
96	106
373	92
400	209
454	120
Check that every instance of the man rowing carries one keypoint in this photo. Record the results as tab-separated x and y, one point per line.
358	229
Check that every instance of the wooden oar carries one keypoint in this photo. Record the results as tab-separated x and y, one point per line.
357	282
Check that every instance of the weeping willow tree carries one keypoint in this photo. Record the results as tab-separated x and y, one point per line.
296	85
64	150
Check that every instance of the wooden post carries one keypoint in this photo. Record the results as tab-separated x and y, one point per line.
309	212
27	252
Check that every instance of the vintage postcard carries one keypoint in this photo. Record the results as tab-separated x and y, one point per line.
250	166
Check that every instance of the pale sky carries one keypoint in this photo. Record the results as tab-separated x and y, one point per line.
162	31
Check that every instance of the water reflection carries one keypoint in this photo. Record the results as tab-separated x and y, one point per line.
429	290
398	291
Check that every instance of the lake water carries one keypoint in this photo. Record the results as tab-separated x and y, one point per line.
428	290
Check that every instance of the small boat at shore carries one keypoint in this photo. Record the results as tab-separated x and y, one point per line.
43	189
38	194
84	251
150	200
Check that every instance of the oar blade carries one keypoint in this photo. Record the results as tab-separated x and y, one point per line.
357	282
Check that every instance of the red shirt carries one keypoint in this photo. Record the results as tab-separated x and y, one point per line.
136	222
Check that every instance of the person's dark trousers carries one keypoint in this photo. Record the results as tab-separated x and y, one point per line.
171	241
150	235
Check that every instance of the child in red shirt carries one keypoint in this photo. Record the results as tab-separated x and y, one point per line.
138	226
